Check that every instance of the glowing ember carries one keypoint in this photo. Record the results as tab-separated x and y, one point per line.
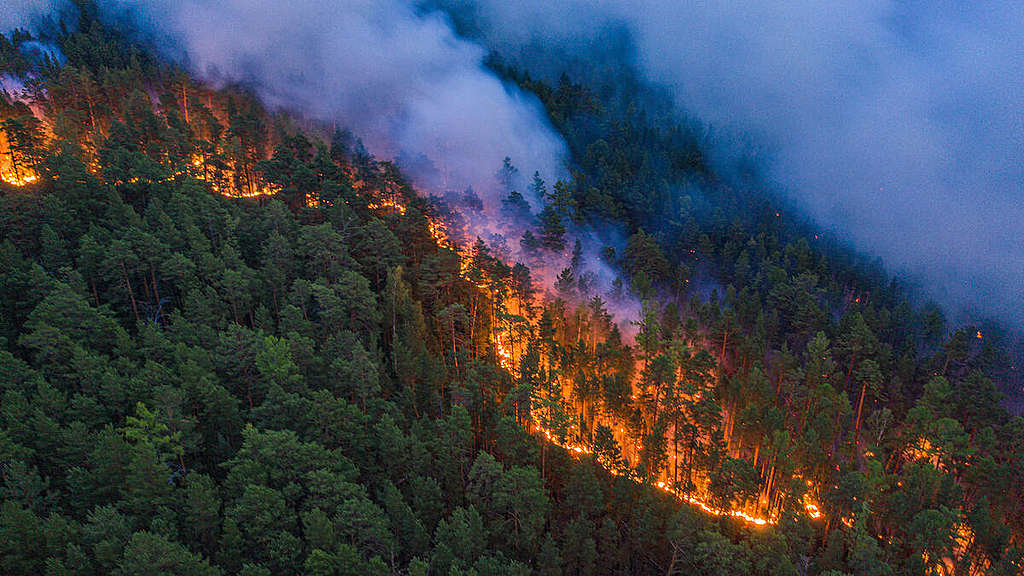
812	510
387	204
439	232
741	514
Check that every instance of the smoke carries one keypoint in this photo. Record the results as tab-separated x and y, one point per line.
399	78
25	14
898	125
40	18
41	52
397	75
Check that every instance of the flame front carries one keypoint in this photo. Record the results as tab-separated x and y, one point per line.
235	178
811	509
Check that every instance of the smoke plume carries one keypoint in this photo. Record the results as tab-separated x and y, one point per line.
400	79
398	76
899	125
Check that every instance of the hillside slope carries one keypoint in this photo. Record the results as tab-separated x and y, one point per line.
231	345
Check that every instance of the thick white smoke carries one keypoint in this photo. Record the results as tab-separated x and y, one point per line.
394	73
400	79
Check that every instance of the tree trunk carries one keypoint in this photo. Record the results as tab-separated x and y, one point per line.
849	373
14	164
860	405
131	293
675	453
472	326
184	101
156	290
95	294
672	564
543	459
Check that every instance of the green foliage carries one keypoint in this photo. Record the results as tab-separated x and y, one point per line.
198	384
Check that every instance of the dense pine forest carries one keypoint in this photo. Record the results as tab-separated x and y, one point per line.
232	341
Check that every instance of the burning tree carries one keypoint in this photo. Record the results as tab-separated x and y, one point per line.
21	147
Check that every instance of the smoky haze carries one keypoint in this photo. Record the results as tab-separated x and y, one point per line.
898	125
401	80
25	13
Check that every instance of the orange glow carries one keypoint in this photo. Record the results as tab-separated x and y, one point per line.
439	232
813	512
810	506
235	193
741	514
923	450
751	518
504	355
24	179
13	174
387	204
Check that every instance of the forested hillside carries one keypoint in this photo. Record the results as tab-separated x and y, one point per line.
234	342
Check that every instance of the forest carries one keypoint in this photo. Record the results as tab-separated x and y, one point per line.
232	341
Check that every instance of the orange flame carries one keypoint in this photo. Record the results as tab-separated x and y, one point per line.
23	179
811	509
11	174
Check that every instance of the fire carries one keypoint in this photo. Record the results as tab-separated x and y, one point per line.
439	232
812	509
387	204
23	179
504	355
220	178
741	514
237	193
437	228
11	173
570	446
813	512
